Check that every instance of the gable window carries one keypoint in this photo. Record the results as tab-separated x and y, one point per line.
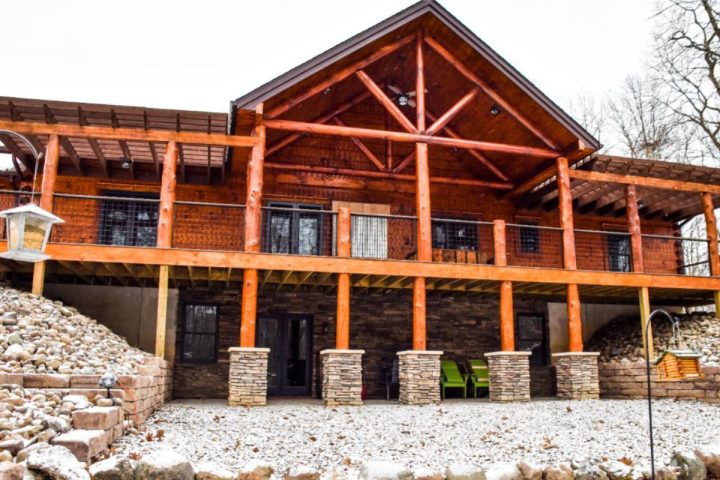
454	235
293	228
129	220
199	333
618	250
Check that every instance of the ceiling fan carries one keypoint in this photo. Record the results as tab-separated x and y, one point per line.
403	98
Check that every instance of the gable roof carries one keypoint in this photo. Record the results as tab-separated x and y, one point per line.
387	27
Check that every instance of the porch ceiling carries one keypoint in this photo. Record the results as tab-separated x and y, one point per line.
139	275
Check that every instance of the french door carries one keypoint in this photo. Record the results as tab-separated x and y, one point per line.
289	338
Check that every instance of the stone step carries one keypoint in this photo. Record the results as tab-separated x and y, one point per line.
84	444
97	418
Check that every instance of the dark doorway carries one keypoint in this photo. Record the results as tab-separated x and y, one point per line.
289	338
531	336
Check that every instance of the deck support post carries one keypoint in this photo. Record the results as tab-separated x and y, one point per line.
253	222
575	341
712	236
164	240
507	320
638	265
342	334
47	193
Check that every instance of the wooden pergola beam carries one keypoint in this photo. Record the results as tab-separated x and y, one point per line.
502	103
123	144
64	142
651	182
130	134
82	120
335	130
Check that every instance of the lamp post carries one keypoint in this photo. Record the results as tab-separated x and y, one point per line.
28	227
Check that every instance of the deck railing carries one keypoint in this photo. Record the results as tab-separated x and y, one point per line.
132	221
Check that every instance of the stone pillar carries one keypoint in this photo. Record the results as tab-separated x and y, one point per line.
248	376
577	375
342	377
509	374
419	377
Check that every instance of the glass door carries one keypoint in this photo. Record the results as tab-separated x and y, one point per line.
289	338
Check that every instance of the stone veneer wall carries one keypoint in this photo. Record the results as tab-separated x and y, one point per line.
342	377
628	380
461	325
419	377
141	394
577	375
509	375
247	385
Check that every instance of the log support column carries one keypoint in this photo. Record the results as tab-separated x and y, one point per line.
248	364
507	318
577	371
47	194
342	367
712	236
164	240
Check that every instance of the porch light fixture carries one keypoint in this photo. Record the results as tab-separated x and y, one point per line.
672	365
27	227
494	110
403	100
108	381
28	231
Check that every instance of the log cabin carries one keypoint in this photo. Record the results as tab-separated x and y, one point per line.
403	197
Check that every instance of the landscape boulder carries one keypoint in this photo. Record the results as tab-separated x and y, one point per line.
530	471
558	472
164	465
385	471
464	472
256	470
710	456
503	471
301	472
57	463
114	468
11	471
691	467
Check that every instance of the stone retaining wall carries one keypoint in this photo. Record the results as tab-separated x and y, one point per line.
248	377
577	375
342	377
509	375
419	377
628	380
141	394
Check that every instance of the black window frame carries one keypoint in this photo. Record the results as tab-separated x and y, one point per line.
473	245
184	332
617	260
298	210
105	207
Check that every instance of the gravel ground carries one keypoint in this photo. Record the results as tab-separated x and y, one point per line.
545	432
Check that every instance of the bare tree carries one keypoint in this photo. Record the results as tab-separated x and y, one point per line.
687	64
593	116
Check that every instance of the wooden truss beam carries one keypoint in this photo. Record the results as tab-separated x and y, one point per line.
362	147
386	102
452	112
109	133
82	119
64	142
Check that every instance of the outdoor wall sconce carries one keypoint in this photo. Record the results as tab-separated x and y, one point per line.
28	231
326	328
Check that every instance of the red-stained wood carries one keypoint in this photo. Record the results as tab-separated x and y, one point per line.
320	129
344	249
633	220
502	103
420	110
47	195
452	112
499	243
167	196
712	233
419	335
651	182
507	318
386	102
339	76
404	162
422	203
129	134
253	224
311	169
575	341
342	108
363	148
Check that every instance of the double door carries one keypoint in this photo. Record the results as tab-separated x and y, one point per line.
289	338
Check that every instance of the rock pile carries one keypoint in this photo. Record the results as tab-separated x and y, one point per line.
621	339
38	335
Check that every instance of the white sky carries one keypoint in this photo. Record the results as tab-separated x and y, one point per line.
199	55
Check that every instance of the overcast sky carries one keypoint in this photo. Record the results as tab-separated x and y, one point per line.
199	55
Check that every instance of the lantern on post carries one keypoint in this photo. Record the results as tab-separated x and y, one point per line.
27	227
28	230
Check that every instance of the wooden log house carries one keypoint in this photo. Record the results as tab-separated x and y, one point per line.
405	191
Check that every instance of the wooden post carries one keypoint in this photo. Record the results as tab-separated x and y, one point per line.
712	236
344	249
422	207
167	196
633	220
161	326
253	226
164	240
644	298
575	341
507	320
47	201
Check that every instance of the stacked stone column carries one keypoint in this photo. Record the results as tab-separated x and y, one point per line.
248	376
342	377
577	375
509	375
419	372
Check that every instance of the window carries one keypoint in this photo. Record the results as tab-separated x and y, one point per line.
199	333
530	337
529	239
293	231
618	248
129	222
452	235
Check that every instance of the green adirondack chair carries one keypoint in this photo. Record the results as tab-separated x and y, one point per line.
479	377
451	377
